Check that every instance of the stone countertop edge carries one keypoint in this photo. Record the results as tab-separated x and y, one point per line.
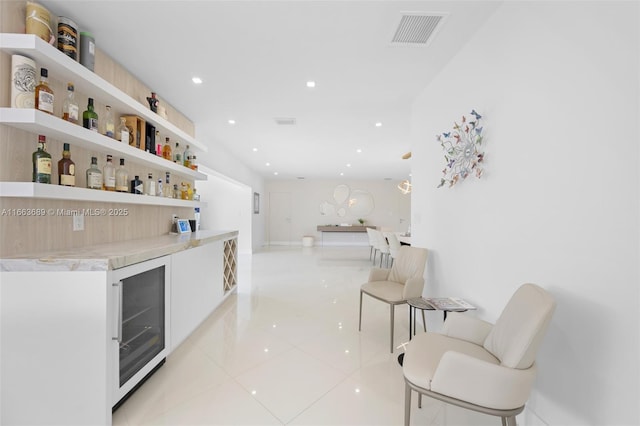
104	257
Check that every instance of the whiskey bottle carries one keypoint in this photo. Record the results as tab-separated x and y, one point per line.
89	117
109	175
149	185
70	109
44	94
41	162
166	150
159	188
66	168
109	125
94	175
122	178
193	163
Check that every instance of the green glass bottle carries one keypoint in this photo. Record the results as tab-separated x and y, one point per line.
41	162
89	117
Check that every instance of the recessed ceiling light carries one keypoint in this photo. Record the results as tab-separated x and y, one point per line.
348	164
311	84
267	164
196	80
378	124
275	173
255	149
232	122
341	174
358	150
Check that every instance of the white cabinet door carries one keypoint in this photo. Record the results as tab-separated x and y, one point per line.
55	348
196	288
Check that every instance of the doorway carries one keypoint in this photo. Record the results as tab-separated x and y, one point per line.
280	218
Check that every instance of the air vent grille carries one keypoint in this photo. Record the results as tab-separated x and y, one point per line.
415	29
285	121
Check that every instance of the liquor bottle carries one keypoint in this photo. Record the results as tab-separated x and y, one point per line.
109	126
44	94
66	168
193	163
186	157
177	155
70	108
176	191
94	175
89	117
166	150
149	185
122	132
159	188
109	175
136	186
166	188
122	178
41	162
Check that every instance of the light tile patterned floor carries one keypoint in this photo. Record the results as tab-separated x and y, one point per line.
285	350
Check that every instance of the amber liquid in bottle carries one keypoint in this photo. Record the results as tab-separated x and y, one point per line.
66	168
166	151
44	94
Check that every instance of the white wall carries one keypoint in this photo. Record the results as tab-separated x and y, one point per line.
557	84
391	208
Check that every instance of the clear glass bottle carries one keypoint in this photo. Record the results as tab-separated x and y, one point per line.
159	188
122	131
176	191
177	154
66	168
94	175
44	93
109	125
89	117
70	108
166	150
41	162
109	174
122	178
149	185
193	164
186	156
166	189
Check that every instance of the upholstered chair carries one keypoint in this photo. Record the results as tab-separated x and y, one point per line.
479	366
394	244
372	244
396	285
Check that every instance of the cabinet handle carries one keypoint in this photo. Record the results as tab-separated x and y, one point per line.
119	336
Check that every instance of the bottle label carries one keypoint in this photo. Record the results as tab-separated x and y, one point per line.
122	188
72	169
73	112
109	130
45	101
124	136
93	124
139	188
95	180
67	180
110	181
43	166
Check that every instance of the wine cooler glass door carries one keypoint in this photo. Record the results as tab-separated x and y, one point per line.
142	321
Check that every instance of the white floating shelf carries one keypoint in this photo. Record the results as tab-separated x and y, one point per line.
38	122
86	81
57	192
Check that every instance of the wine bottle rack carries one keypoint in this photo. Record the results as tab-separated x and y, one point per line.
230	264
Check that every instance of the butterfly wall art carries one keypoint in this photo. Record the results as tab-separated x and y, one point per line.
462	150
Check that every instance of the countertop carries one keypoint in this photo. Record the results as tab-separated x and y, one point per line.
109	256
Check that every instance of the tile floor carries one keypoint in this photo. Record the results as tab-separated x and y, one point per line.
285	350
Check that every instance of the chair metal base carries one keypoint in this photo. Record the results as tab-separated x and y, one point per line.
508	417
392	307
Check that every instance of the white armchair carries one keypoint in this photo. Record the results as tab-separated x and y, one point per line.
479	366
396	285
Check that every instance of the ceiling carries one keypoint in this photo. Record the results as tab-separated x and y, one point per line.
255	58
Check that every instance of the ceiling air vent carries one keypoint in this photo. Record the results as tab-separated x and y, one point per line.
416	28
285	121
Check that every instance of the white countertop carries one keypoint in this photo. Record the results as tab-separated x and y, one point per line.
108	256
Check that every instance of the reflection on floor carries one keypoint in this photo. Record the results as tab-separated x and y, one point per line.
285	350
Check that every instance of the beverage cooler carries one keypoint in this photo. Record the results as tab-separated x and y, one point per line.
141	324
